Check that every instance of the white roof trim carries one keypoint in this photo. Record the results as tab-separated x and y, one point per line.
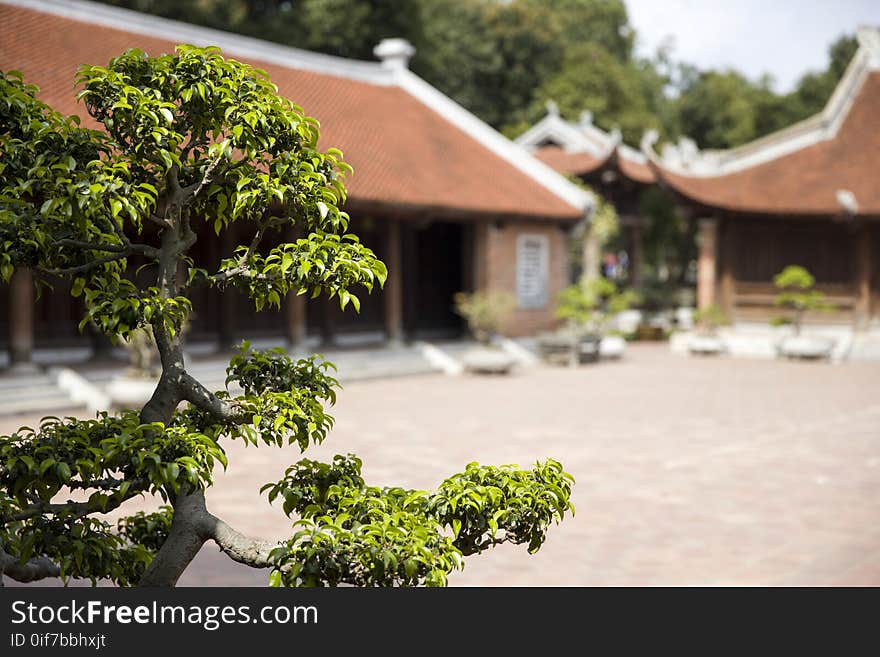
685	159
371	72
568	135
577	138
234	44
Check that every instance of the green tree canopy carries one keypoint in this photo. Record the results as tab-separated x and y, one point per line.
503	59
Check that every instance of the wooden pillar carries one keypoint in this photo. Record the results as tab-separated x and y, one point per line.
325	309
295	319
409	279
102	348
636	257
707	242
727	289
21	320
393	292
591	255
864	268
295	327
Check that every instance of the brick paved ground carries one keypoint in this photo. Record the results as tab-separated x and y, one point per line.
689	471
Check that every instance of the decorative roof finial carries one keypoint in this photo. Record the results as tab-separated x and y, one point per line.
394	53
869	41
552	108
586	118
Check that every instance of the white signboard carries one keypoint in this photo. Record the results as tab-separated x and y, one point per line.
532	270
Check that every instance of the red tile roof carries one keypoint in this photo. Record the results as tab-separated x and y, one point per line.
404	153
803	182
581	163
638	171
576	163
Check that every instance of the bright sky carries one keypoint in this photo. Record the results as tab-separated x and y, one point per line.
785	38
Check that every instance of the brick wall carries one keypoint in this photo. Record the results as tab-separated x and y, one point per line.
495	267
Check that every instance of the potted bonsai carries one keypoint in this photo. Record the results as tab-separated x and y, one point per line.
705	339
798	295
612	302
577	341
587	309
485	312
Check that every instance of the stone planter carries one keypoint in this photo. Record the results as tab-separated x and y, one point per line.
706	345
486	360
805	347
612	346
130	392
560	347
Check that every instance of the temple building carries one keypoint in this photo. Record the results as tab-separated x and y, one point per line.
446	201
807	195
598	158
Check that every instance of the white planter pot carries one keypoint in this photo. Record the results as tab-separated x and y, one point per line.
484	360
126	392
706	345
807	347
628	321
612	346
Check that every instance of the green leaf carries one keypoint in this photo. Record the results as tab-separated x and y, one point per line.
77	288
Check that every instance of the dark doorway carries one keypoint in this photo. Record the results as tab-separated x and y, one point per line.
433	265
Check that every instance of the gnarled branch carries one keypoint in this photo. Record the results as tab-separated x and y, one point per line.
30	571
238	547
199	396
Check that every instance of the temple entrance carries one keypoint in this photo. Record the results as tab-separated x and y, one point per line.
433	272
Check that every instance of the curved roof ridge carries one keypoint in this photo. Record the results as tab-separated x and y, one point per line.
685	159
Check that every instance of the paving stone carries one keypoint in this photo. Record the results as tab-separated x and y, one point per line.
689	471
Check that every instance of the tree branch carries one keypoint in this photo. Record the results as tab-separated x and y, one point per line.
32	570
199	396
121	249
77	509
238	547
81	269
193	190
92	246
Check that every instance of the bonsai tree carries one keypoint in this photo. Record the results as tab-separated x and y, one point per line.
189	140
591	305
797	294
587	308
485	312
709	319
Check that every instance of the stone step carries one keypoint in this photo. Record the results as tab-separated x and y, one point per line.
35	395
42	407
14	381
48	390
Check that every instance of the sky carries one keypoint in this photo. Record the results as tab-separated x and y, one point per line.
785	38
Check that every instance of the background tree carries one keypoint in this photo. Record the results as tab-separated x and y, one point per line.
592	79
503	59
192	140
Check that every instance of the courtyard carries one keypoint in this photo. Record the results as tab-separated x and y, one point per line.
690	471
